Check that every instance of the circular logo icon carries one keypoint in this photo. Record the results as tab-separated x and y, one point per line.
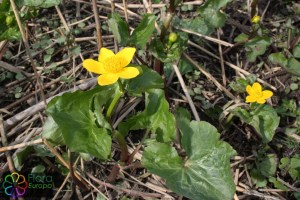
15	185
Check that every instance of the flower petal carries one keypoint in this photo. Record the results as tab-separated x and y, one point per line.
107	79
125	56
93	66
250	99
104	54
249	90
129	72
261	100
267	94
256	87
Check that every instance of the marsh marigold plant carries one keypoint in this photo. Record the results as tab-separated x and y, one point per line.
112	66
256	94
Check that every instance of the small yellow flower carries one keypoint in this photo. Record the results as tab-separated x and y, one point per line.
255	19
256	94
112	66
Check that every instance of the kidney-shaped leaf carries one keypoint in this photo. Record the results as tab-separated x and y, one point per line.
52	132
78	123
205	173
265	121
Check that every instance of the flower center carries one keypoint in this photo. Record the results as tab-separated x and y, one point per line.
113	64
258	94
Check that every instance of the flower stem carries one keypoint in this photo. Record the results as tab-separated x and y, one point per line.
258	109
121	86
115	101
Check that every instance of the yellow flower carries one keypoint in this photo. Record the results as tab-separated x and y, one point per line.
256	94
112	66
255	19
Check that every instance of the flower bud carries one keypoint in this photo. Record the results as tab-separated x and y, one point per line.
173	37
255	19
9	20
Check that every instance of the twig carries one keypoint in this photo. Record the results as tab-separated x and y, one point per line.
210	77
125	10
185	90
14	69
27	48
61	187
129	192
115	39
60	158
222	60
18	146
126	113
258	194
288	185
218	41
149	185
40	106
231	65
4	143
97	22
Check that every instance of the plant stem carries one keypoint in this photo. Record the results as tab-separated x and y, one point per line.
159	67
123	146
115	100
258	109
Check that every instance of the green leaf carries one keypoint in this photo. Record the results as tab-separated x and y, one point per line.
241	38
52	133
42	150
239	85
148	79
76	50
119	28
284	163
277	184
267	165
296	51
143	32
243	114
156	117
294	170
11	33
297	195
257	47
47	58
184	67
294	86
207	20
293	66
167	53
42	3
278	59
258	179
204	174
75	117
265	121
39	169
20	156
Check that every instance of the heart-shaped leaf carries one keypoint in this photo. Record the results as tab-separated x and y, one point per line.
75	116
205	172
